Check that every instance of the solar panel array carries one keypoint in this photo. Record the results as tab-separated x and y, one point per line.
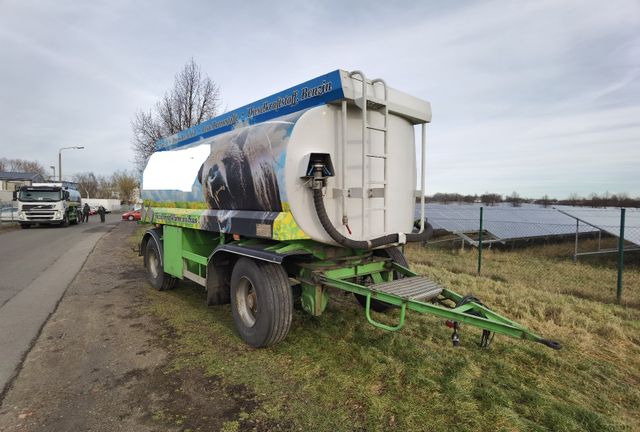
503	222
608	219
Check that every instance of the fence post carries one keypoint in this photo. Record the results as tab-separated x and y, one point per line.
480	242
620	256
575	249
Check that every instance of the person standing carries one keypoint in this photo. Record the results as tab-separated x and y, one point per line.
85	212
102	211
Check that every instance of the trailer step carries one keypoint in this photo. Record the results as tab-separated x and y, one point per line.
417	288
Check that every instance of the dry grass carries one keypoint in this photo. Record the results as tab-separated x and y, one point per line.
545	267
336	372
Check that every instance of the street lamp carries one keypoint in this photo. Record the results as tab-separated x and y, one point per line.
54	172
60	159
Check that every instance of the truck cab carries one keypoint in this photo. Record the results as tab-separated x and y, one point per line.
47	203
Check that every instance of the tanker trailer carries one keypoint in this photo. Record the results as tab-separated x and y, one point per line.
308	190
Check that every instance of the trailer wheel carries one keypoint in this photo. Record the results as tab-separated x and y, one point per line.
261	302
396	256
155	273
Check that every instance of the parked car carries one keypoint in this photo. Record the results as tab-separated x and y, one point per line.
131	215
94	210
8	214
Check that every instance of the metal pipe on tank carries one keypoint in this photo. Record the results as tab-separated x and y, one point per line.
343	163
423	174
364	153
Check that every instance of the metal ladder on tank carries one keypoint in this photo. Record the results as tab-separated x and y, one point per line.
366	103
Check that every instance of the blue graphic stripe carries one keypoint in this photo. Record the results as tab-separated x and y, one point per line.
318	91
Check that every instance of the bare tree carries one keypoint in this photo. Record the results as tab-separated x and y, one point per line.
514	199
491	198
574	199
87	184
106	187
22	165
193	99
545	201
125	183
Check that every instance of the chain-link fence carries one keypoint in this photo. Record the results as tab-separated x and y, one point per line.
8	213
589	253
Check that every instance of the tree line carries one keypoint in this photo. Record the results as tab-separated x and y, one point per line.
22	165
514	199
122	185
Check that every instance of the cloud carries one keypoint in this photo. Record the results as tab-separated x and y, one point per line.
541	97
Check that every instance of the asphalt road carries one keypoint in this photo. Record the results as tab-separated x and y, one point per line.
36	267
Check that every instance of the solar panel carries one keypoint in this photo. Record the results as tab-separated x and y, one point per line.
608	219
503	222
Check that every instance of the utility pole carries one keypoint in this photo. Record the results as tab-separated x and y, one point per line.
60	160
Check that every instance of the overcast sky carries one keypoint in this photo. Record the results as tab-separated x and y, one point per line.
539	97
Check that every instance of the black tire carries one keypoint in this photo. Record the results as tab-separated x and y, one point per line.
261	302
155	273
65	221
25	226
398	257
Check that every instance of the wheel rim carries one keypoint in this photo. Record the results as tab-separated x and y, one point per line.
246	302
130	218
153	264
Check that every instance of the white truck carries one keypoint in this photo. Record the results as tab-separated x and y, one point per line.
48	203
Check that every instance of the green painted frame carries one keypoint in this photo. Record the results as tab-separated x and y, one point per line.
336	267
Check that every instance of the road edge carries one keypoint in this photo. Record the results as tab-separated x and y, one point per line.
7	381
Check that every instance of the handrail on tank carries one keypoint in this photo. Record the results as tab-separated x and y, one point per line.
364	140
386	147
359	73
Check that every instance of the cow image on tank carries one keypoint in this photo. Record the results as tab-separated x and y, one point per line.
241	173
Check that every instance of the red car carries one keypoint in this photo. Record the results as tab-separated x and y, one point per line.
131	215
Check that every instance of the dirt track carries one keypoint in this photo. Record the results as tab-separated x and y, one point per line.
100	362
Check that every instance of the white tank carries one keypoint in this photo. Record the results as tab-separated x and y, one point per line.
319	131
254	177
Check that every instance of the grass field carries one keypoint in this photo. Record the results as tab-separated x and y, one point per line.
338	373
547	267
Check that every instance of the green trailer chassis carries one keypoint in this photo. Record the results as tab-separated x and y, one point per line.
317	267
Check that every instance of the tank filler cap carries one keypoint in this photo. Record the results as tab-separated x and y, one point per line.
313	159
318	168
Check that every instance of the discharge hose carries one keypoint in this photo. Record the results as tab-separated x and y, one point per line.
318	201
